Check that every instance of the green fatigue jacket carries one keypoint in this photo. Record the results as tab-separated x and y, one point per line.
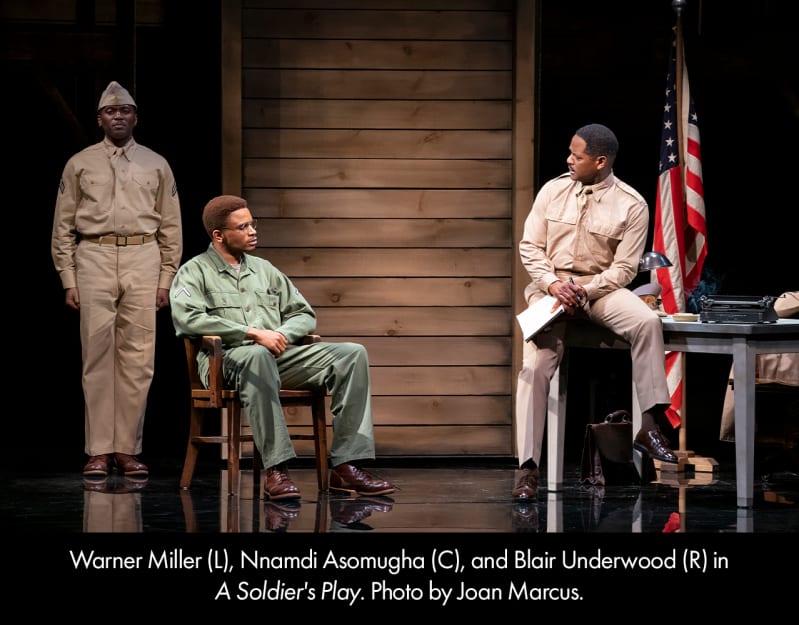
208	296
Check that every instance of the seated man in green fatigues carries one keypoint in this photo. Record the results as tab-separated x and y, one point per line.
259	314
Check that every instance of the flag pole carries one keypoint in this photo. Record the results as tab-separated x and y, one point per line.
680	226
700	463
678	5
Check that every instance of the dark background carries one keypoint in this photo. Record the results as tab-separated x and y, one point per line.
600	62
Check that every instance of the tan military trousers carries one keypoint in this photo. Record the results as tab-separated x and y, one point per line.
117	288
621	311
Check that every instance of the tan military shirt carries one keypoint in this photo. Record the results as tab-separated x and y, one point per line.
599	244
138	196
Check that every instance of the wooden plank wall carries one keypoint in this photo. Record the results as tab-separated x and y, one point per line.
376	150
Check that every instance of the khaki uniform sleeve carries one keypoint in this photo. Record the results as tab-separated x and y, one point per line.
64	237
170	231
533	246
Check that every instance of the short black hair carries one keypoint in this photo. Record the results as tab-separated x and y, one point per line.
217	210
599	141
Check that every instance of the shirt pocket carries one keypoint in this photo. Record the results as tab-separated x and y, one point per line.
146	180
604	237
224	304
93	185
560	213
268	302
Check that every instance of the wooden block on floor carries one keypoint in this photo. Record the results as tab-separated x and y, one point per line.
675	478
772	497
701	464
702	479
671	467
671	478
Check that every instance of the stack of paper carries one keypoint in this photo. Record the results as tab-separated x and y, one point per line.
538	316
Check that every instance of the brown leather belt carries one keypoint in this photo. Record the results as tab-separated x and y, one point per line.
113	239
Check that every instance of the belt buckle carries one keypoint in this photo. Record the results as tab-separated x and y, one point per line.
124	241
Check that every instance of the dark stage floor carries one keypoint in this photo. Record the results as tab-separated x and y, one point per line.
433	497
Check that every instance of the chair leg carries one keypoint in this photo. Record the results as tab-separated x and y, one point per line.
322	513
320	441
192	448
189	518
233	515
234	447
257	464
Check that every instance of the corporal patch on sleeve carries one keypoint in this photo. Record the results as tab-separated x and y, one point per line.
183	291
174	189
61	186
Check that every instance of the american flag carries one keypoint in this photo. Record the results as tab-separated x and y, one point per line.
680	227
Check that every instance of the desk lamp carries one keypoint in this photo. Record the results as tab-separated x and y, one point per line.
650	292
652	260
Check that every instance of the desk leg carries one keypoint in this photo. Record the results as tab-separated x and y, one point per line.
554	512
743	365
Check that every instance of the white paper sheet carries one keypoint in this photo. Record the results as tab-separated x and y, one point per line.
538	316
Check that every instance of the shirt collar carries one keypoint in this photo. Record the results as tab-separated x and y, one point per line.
600	188
110	148
221	264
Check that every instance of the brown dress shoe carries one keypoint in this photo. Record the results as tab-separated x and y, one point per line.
98	465
348	478
525	517
96	483
130	465
654	444
278	484
346	511
131	485
279	516
527	484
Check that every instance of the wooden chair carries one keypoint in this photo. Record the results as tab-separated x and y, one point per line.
216	398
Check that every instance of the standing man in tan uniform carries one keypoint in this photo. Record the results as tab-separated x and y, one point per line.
581	244
117	243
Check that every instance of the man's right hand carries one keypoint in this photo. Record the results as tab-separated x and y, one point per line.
72	298
570	295
275	342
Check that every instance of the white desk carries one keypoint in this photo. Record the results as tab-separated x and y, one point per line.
743	341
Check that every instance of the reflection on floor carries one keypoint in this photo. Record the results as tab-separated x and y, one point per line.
445	496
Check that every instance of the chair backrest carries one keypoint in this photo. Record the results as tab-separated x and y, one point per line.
212	394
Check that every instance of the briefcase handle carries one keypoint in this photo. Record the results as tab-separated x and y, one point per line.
618	416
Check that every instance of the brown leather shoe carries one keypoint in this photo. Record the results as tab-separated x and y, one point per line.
527	484
132	484
348	478
278	484
98	465
96	483
277	517
654	444
525	517
347	511
130	465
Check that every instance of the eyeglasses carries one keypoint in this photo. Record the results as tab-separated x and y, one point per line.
245	226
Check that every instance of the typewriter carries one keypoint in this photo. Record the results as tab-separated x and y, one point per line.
737	309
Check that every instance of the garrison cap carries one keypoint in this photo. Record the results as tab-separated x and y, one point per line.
650	288
115	95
